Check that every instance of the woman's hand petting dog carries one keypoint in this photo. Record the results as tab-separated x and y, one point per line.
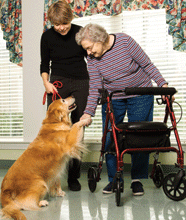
88	119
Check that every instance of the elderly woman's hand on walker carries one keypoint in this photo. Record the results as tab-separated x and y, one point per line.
163	97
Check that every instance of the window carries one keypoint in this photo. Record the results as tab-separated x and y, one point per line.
11	96
149	29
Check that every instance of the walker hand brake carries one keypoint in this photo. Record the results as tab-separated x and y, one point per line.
160	101
103	99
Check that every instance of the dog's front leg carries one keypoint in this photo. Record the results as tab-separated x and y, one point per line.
76	132
55	188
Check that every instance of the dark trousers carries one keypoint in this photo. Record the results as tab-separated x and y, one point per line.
79	89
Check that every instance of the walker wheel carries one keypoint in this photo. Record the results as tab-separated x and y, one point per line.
158	176
92	174
171	192
118	192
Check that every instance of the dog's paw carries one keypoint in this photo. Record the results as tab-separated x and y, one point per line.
86	122
60	193
43	203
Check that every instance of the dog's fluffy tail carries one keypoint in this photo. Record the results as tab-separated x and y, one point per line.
11	209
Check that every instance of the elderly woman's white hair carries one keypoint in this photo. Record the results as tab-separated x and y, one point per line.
92	32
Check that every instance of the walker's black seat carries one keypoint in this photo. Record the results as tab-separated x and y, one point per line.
141	135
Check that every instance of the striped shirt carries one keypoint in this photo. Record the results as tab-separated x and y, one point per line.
125	64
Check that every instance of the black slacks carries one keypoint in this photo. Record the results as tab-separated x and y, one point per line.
79	88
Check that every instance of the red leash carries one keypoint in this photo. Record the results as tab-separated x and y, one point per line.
57	84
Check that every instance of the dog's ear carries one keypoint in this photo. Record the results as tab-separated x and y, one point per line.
53	116
58	114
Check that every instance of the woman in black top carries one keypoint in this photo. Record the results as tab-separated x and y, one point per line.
62	59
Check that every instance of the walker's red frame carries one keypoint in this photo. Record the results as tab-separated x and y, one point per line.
110	117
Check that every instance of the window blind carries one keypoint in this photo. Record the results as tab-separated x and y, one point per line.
11	96
149	29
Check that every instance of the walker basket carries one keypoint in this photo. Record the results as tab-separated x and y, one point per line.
141	135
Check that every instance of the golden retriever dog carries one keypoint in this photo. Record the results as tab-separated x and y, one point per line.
38	170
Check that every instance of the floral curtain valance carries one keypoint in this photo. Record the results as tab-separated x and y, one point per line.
83	8
11	25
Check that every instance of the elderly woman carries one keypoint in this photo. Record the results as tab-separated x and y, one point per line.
116	61
64	60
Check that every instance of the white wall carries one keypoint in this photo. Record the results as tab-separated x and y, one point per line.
34	111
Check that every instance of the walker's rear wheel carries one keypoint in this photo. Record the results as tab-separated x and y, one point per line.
158	176
173	193
92	174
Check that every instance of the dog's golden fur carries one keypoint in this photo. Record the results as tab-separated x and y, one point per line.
37	171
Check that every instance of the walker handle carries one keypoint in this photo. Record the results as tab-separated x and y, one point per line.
150	91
